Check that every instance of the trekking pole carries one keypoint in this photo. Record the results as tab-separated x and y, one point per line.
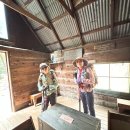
79	104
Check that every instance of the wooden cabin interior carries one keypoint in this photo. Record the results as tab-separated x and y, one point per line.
57	32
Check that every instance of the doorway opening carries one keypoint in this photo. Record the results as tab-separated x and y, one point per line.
5	97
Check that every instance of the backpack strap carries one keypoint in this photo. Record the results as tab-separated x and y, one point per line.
52	74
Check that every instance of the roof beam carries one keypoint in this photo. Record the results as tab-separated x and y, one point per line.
95	30
59	17
77	22
20	10
83	4
49	21
54	20
66	8
112	18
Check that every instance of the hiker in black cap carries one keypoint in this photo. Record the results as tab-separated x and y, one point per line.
47	83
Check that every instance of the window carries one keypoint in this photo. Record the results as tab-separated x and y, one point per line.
114	76
3	27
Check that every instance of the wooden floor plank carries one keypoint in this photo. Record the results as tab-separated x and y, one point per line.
18	117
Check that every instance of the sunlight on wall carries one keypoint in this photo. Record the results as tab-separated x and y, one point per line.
3	27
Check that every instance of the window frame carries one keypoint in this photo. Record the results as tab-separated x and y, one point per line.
110	92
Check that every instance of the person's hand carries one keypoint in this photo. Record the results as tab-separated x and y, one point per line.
87	81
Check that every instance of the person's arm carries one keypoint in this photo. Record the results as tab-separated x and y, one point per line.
54	77
40	85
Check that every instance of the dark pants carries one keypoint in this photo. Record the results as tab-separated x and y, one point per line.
88	102
46	99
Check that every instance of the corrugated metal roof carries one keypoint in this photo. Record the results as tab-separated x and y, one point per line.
66	27
91	17
33	23
54	47
122	30
98	36
21	2
123	9
54	8
33	8
46	35
95	15
71	42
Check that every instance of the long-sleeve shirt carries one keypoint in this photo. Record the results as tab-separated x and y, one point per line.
48	81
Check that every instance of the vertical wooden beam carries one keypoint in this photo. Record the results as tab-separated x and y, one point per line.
77	22
49	21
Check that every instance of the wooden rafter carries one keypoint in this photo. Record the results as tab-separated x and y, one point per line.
59	17
49	21
112	17
95	30
27	2
77	22
83	4
66	7
54	20
66	13
20	10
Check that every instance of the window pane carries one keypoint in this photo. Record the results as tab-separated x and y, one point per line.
102	69
103	83
120	84
3	27
120	70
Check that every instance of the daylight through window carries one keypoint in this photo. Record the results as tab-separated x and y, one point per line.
3	27
115	77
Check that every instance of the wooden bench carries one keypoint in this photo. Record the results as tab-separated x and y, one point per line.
117	121
123	105
34	98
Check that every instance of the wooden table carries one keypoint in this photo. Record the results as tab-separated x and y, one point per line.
51	119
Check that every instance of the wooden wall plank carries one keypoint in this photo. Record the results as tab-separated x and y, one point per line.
24	70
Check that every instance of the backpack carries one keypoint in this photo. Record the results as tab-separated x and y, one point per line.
85	73
40	87
87	76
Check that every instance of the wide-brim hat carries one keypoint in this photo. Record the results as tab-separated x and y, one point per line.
43	65
80	58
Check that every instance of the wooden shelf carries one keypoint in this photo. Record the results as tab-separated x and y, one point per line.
56	63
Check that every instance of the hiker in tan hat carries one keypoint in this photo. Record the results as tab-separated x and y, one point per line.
84	78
